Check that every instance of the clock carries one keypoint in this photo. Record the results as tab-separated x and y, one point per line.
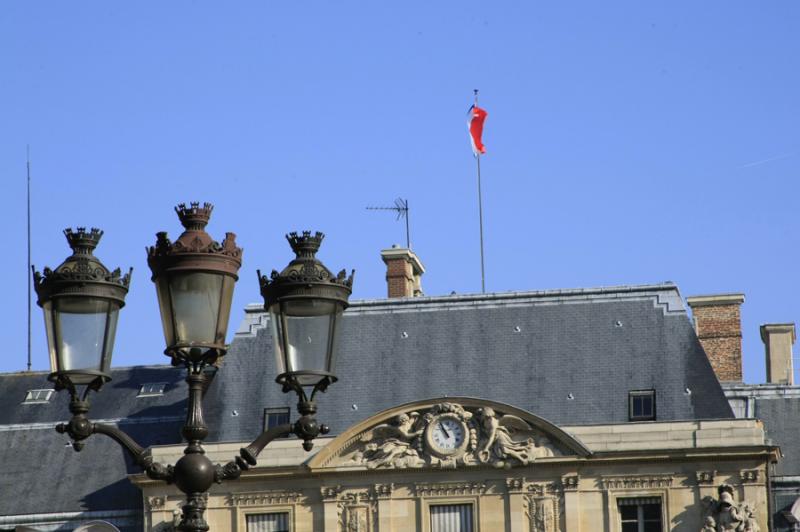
447	435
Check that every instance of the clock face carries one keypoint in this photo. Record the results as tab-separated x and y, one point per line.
447	435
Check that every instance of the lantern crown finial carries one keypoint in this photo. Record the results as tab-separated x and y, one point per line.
81	241
305	245
194	217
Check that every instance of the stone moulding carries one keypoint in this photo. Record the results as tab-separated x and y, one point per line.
447	489
537	489
265	498
636	482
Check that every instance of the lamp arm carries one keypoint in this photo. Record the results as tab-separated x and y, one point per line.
140	455
248	455
80	427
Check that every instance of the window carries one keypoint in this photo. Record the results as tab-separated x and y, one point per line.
641	514
276	522
276	416
642	405
37	396
451	518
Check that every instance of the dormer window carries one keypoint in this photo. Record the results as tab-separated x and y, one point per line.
152	389
37	396
642	405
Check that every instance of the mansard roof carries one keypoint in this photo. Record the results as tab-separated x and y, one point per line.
45	475
569	356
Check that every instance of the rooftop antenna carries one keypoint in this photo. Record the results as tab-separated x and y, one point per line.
401	208
28	165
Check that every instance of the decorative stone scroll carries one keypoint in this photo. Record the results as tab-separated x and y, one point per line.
636	482
155	503
450	435
265	498
748	476
705	477
570	483
725	515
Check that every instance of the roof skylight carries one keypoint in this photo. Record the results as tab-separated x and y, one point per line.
152	389
37	396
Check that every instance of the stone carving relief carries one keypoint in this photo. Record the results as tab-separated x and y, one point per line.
357	509
450	435
543	503
542	513
725	515
155	503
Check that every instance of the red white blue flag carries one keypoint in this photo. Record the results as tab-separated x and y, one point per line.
475	126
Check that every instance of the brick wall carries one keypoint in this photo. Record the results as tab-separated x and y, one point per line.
718	324
399	278
403	272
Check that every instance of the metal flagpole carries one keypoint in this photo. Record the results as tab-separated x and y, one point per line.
480	210
28	164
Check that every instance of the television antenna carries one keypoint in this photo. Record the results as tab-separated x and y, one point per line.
401	208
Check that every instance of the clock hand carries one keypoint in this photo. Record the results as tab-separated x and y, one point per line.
447	434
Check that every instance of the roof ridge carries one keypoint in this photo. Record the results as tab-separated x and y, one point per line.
508	295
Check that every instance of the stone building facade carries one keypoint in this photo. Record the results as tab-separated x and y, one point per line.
501	469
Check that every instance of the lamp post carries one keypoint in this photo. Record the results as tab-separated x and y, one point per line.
194	278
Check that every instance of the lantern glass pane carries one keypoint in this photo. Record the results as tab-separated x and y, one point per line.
80	333
228	283
165	307
303	332
195	301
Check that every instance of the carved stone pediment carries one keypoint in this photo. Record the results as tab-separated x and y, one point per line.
448	433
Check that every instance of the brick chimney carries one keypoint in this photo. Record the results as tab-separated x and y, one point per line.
718	324
778	339
403	272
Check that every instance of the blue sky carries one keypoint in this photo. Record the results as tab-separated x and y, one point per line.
628	142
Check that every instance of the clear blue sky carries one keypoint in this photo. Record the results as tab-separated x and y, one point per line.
628	142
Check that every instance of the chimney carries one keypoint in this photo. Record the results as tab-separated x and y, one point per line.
403	272
778	339
718	324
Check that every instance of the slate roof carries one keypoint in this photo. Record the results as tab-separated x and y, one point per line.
527	349
41	474
778	406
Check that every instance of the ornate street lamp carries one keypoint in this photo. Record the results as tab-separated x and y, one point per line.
81	301
194	278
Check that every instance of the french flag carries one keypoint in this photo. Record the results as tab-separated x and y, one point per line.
475	126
